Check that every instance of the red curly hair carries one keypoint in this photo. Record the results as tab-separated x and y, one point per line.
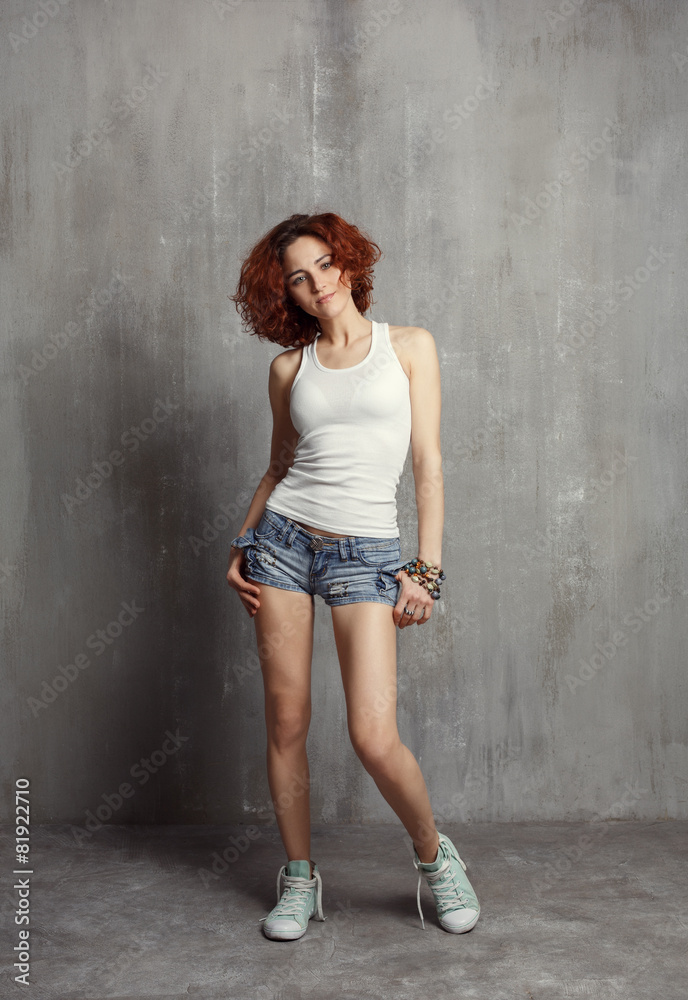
262	299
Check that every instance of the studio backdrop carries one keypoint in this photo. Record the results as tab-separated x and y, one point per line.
523	168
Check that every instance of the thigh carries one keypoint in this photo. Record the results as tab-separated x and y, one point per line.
284	634
366	638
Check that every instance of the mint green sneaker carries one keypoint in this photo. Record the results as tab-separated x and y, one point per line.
458	908
301	899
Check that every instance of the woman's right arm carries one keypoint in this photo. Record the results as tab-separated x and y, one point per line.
283	369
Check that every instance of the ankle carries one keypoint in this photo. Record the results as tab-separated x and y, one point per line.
424	852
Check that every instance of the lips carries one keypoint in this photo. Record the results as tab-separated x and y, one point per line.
325	298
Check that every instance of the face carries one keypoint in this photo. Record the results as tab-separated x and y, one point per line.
312	280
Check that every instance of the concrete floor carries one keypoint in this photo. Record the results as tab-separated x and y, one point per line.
137	912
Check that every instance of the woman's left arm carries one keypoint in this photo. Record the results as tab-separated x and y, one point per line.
426	404
426	453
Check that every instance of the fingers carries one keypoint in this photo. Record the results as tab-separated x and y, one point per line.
402	620
251	604
247	590
415	598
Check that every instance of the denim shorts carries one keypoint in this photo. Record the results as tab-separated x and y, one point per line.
281	553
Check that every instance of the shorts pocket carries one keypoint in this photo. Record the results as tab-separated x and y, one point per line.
378	554
267	526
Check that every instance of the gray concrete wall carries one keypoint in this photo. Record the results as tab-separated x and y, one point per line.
523	167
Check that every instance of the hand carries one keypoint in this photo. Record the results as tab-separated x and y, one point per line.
245	588
414	597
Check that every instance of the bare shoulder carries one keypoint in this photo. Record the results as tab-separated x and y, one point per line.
284	366
410	342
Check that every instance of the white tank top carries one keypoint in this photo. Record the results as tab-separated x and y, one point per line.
354	428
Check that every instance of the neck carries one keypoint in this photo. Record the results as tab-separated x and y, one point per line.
343	330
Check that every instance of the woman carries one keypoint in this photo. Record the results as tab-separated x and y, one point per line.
347	398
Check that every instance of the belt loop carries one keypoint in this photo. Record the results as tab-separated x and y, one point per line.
284	530
290	533
342	549
352	546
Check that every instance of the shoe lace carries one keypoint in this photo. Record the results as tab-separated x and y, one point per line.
445	888
296	893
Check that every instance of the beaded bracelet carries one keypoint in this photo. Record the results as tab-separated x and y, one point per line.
426	575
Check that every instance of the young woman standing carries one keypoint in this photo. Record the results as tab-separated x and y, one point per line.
348	397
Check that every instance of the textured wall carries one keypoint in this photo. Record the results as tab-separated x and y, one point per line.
523	167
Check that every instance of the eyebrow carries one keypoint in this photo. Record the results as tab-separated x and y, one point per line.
288	276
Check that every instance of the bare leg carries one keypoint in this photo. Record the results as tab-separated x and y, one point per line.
365	635
284	633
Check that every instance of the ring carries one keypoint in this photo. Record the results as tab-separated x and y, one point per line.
407	612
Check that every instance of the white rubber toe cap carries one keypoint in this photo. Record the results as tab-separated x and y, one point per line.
460	921
283	929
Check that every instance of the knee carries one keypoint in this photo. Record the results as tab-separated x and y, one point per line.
375	748
288	724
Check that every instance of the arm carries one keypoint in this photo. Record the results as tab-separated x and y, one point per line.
283	370
425	390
